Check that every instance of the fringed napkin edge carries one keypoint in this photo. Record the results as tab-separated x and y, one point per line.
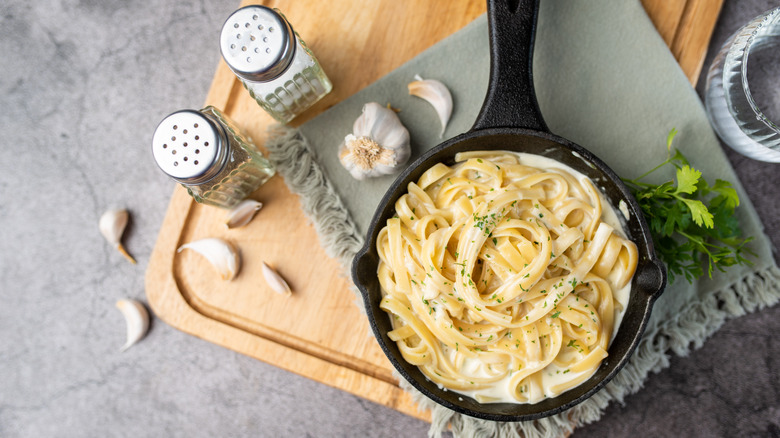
296	162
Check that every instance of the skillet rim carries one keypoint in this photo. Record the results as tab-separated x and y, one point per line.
647	285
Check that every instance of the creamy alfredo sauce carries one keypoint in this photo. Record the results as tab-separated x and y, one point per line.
552	375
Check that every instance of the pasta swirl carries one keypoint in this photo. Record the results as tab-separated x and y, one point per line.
500	276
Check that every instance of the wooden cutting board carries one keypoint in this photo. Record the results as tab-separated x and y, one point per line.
320	331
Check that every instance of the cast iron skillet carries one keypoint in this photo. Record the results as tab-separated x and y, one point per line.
510	120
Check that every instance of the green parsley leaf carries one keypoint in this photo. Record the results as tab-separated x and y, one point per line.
699	213
691	222
687	178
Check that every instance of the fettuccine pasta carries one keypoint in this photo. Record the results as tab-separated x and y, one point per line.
500	274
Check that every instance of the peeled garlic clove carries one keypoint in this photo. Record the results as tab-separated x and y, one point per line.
137	320
378	144
221	254
435	93
243	213
112	224
275	281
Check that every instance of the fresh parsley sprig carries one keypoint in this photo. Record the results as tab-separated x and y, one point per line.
689	219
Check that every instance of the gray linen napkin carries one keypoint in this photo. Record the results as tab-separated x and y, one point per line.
604	79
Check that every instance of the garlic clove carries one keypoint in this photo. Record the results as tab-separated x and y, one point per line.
275	281
136	319
112	225
378	144
221	254
243	213
435	93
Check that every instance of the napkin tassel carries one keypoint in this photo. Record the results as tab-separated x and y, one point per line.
296	162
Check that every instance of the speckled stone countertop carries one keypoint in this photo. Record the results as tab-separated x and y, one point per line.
83	85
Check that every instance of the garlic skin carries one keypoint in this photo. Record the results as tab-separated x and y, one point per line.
378	144
435	93
112	225
242	213
221	254
136	318
275	281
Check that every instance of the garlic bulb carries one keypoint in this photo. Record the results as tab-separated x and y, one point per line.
136	319
112	224
435	93
275	281
243	213
221	254
378	144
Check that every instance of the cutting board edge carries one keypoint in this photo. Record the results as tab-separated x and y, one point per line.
168	304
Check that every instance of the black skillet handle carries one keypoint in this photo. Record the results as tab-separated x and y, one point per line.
511	101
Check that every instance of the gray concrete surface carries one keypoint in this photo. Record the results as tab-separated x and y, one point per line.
83	84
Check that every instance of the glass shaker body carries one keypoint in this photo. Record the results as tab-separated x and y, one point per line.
207	153
273	62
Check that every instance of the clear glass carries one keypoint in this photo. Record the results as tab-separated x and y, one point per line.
742	94
245	170
298	88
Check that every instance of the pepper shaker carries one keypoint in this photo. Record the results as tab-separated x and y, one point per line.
272	61
207	154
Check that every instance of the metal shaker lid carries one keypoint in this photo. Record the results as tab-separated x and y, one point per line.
257	43
188	146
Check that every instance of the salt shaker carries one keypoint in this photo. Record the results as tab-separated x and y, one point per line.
206	152
272	61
